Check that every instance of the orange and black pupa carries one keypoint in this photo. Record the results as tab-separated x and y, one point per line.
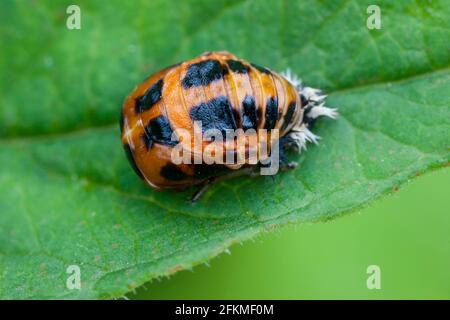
223	93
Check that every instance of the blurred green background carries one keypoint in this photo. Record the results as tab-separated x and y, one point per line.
405	234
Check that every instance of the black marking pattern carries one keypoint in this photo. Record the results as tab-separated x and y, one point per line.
237	66
249	113
225	70
306	109
202	73
307	120
259	113
214	114
158	130
289	114
261	69
172	172
130	158
237	117
271	113
150	97
303	100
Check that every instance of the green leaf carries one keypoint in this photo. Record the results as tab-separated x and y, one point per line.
68	196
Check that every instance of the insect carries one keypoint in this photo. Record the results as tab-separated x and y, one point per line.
224	93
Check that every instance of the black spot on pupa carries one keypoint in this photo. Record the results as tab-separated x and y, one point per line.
202	73
158	130
237	66
237	117
259	113
261	69
214	114
289	114
150	97
225	70
271	113
172	172
249	113
130	158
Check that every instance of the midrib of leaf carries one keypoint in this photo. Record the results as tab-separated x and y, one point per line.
112	125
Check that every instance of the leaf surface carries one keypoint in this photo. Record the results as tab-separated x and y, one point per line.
68	196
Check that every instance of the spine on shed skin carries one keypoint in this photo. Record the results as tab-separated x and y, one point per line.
313	107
